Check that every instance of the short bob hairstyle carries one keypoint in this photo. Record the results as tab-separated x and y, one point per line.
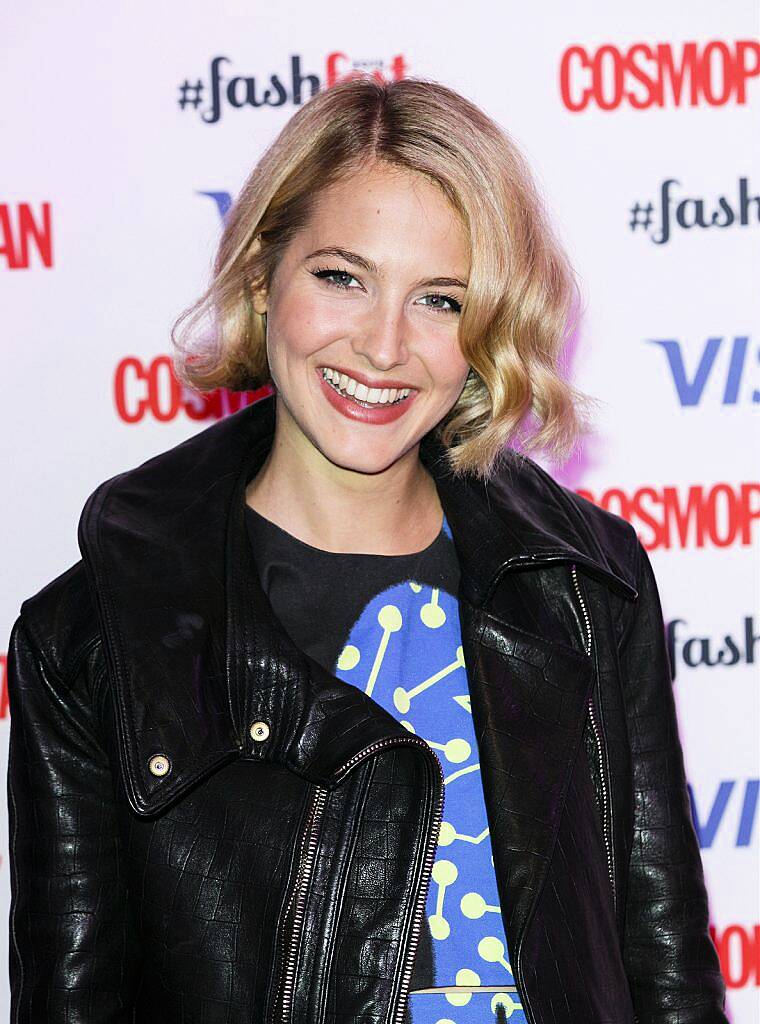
521	293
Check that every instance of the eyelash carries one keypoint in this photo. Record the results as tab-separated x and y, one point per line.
323	273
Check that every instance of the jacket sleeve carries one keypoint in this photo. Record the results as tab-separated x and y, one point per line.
72	951
670	959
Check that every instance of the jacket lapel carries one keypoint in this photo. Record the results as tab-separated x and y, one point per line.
153	544
529	699
523	518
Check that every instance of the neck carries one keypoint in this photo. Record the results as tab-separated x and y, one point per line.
394	512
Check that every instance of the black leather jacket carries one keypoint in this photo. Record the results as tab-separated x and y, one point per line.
206	827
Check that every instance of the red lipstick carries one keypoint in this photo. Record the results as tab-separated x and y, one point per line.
360	411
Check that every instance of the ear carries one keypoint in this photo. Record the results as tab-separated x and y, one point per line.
259	300
258	296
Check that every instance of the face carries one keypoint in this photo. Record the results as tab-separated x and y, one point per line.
362	320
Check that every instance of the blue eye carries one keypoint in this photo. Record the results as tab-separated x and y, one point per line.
327	273
456	307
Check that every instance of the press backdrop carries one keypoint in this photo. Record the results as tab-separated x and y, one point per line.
125	130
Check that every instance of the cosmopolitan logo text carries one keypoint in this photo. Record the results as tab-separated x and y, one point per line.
3	685
26	236
648	75
150	390
223	90
720	515
738	948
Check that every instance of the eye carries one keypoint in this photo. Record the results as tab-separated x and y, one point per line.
454	306
337	278
325	273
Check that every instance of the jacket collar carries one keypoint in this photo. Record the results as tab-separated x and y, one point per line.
523	517
194	652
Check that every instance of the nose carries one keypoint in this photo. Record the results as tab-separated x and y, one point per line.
382	338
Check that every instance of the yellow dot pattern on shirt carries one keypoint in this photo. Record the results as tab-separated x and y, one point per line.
455	751
349	658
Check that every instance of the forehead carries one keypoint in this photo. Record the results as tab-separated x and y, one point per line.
389	208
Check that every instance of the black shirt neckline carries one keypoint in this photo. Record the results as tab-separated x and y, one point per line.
261	522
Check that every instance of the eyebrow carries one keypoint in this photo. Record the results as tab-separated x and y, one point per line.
372	268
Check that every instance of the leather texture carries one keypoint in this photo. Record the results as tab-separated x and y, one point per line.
284	878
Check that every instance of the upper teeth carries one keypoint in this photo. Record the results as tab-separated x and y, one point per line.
378	396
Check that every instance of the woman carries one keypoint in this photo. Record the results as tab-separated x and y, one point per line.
235	719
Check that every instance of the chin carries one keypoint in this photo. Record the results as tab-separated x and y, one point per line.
362	460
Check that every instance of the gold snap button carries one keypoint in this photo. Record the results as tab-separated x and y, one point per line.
159	765
259	731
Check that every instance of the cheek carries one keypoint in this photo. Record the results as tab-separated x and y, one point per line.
450	366
301	330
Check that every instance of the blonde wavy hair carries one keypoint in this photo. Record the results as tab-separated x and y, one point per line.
521	294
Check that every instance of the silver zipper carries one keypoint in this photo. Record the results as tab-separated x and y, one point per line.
407	964
592	716
309	840
300	890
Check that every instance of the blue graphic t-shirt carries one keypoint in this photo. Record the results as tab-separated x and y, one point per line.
389	624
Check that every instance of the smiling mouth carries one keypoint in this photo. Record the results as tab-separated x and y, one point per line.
369	397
